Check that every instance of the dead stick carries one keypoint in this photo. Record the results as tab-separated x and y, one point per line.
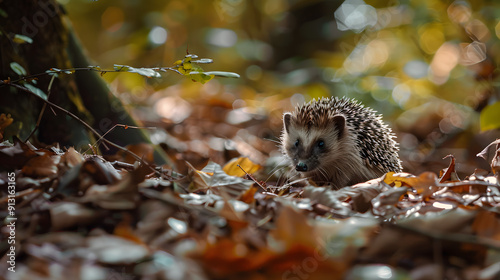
42	111
138	158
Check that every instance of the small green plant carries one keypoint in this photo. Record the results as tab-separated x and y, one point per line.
189	66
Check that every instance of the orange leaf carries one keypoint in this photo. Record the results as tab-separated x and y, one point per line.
248	195
232	168
42	166
124	230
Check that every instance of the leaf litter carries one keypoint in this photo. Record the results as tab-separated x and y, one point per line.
226	214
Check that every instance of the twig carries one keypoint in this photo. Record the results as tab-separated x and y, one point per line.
138	158
251	177
70	70
42	111
109	130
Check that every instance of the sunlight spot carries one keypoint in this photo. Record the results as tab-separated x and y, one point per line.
173	108
416	69
384	272
158	35
177	225
442	205
472	53
459	12
355	15
431	37
401	94
445	59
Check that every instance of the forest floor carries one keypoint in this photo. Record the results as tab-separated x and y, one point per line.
227	211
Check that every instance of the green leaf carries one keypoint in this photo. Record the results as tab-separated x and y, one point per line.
119	67
201	77
147	72
57	70
223	74
490	117
21	39
36	90
18	69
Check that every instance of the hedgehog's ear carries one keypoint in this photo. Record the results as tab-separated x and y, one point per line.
287	119
339	123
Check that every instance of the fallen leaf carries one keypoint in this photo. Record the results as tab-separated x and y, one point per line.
241	166
487	224
15	156
212	176
109	249
120	195
41	166
64	215
449	174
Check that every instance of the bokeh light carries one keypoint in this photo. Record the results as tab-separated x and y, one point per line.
158	35
355	15
221	37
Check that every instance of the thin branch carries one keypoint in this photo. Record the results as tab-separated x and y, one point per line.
42	111
138	158
111	129
70	70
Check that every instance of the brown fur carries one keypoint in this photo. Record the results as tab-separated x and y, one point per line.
356	146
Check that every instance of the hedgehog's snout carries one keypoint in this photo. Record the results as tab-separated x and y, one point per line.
301	166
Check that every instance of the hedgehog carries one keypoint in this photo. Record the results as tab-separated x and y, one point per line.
338	142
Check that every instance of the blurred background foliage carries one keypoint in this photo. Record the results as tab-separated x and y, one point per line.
429	66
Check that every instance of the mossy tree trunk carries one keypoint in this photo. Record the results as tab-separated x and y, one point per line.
84	93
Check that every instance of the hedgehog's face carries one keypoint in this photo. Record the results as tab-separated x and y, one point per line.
311	147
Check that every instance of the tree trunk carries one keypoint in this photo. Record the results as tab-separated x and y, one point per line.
84	93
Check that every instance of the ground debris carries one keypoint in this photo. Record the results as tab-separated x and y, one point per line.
76	213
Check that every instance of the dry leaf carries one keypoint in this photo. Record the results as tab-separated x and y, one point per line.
42	166
109	249
69	214
241	166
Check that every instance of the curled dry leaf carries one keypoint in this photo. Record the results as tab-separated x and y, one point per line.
102	171
121	195
71	158
386	203
490	151
93	170
449	174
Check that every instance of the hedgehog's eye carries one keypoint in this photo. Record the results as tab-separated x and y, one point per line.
320	144
297	142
